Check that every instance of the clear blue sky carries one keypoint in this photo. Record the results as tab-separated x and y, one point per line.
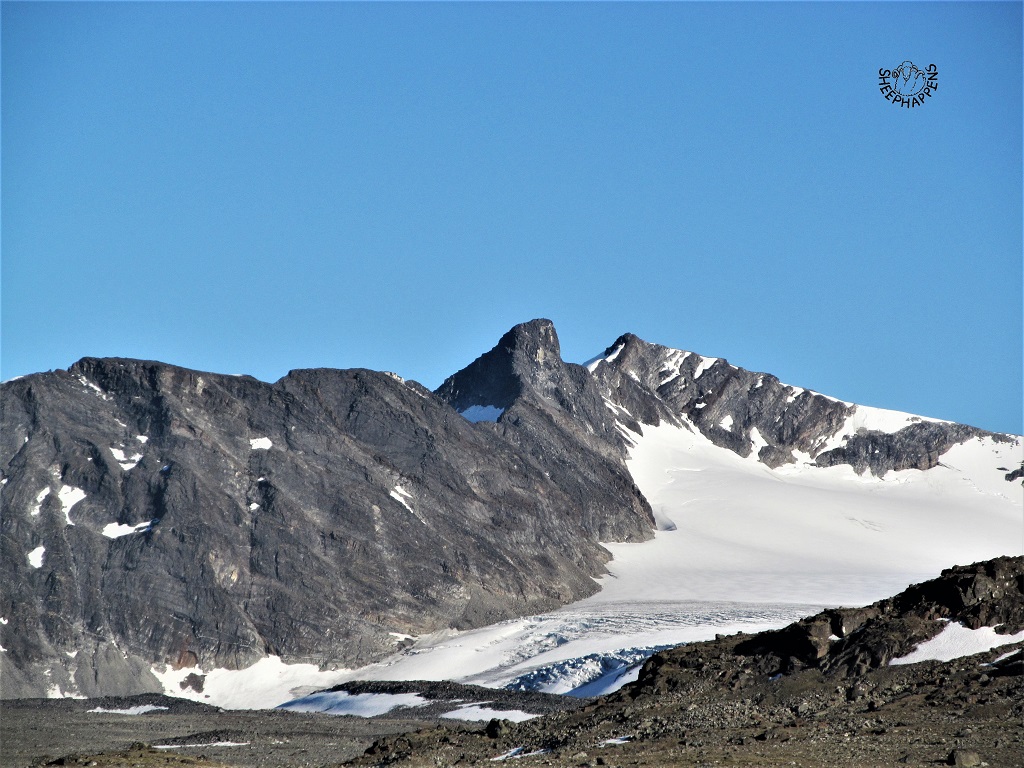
251	188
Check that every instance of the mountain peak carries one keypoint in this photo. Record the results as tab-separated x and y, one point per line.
496	378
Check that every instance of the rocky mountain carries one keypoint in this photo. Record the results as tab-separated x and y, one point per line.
153	515
754	413
842	688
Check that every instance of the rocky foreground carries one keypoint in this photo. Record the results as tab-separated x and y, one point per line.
820	692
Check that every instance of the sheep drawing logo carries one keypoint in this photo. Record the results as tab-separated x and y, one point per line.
908	86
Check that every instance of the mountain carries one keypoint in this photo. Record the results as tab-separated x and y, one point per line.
158	518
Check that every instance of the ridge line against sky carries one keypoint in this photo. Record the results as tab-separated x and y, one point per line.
253	188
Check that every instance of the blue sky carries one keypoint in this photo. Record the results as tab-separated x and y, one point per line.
251	188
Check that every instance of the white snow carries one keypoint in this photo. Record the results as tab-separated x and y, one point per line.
266	684
3	620
726	423
400	495
253	506
705	363
870	419
69	496
476	712
592	363
116	530
126	462
956	641
758	442
35	557
747	533
618	740
139	710
358	704
205	744
39	501
477	413
260	444
93	387
1006	655
142	439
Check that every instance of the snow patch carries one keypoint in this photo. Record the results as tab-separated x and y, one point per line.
126	462
35	557
260	444
400	495
618	740
358	704
726	423
266	684
39	501
478	413
705	363
85	382
956	641
253	506
139	710
206	744
117	530
69	496
477	712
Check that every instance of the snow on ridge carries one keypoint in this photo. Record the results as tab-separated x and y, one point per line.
35	557
39	501
592	363
956	641
69	496
85	382
866	417
117	530
126	462
478	413
705	363
260	444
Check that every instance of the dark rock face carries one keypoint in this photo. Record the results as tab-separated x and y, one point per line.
555	416
307	519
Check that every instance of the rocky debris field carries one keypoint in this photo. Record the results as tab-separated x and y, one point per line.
155	730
